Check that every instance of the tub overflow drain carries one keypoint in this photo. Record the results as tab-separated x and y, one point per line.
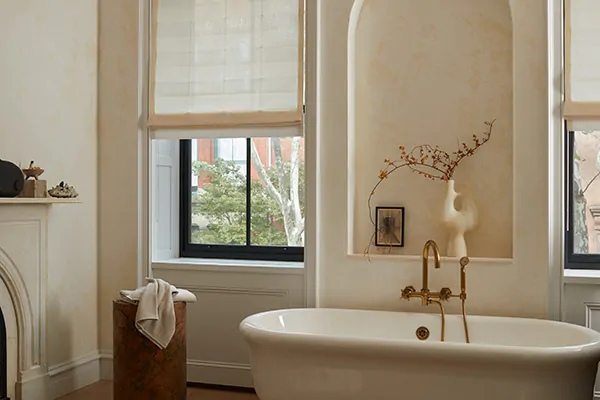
422	333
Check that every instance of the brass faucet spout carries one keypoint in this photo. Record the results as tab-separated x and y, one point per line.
437	259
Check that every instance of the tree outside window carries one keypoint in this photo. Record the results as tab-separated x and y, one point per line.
276	184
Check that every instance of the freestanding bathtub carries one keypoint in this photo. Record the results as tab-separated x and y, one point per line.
329	354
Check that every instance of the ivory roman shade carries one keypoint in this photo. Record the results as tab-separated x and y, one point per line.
227	68
582	63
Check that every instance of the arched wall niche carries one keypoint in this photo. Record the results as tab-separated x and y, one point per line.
431	71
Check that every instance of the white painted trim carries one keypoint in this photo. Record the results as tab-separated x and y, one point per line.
30	311
73	375
407	258
311	154
167	248
589	307
223	268
35	386
584	125
220	373
144	206
357	8
581	277
556	144
31	200
106	365
17	289
240	291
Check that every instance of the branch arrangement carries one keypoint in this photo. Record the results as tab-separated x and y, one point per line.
430	162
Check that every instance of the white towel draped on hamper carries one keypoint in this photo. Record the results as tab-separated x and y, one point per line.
155	316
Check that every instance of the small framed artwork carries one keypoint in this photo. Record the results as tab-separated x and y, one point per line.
389	226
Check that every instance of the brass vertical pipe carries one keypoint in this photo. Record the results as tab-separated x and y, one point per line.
464	261
439	303
464	315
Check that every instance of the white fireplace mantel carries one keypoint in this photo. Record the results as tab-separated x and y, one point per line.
23	271
28	200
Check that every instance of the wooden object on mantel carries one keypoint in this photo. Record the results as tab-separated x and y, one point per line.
142	371
34	188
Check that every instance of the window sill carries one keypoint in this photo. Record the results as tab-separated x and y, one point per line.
582	277
219	265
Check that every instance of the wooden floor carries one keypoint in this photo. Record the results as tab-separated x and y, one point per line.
103	391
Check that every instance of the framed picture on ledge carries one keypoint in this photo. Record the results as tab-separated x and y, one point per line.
389	226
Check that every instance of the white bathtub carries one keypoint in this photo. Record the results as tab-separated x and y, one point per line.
328	354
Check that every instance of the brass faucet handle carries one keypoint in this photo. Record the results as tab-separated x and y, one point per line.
464	261
407	291
445	294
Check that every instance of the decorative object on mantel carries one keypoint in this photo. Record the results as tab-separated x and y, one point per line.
63	191
11	179
389	226
33	171
436	164
35	187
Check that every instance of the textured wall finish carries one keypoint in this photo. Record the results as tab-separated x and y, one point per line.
516	286
432	72
48	114
118	152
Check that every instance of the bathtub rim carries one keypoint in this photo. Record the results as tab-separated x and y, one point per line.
402	347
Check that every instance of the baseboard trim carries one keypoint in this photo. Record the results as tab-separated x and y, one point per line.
106	365
198	371
33	384
73	375
217	373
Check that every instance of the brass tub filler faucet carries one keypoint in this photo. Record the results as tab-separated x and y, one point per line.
428	297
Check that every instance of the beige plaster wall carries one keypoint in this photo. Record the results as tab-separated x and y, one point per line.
516	286
48	77
118	156
431	72
503	287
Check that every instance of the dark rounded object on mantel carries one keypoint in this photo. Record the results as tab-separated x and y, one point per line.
11	179
142	371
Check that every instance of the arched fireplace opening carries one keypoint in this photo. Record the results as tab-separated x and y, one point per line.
3	359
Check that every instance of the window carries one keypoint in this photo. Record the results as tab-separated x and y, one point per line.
227	80
583	239
582	114
252	212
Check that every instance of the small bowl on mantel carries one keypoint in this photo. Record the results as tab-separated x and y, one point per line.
33	173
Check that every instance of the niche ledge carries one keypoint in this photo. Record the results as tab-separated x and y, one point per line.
404	258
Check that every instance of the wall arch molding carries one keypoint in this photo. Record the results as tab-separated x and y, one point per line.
22	306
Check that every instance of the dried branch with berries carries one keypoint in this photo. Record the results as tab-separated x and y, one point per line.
430	162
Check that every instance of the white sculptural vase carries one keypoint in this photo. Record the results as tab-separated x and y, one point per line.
458	222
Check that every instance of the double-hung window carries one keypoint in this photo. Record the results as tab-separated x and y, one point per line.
227	81
582	114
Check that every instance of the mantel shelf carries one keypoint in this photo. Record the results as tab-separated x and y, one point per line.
29	200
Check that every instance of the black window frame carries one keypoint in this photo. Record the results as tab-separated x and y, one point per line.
221	251
573	260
